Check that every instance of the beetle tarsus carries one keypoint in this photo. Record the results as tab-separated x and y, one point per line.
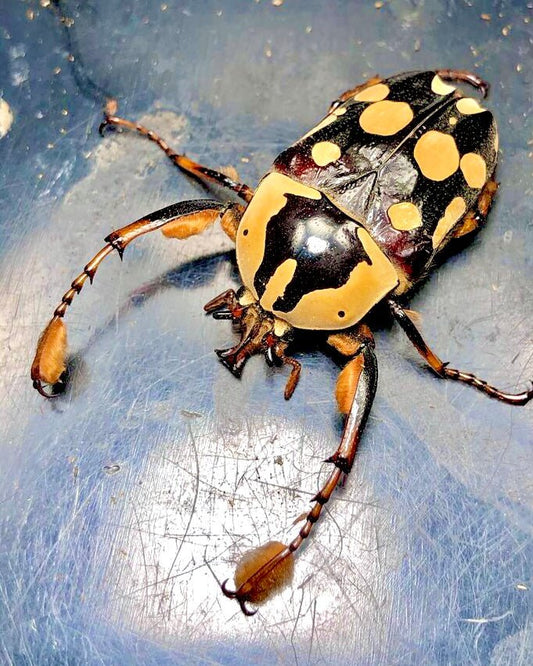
518	399
234	594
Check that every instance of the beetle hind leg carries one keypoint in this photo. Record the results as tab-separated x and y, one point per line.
466	77
441	368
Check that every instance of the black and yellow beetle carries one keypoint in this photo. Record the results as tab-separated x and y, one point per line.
354	214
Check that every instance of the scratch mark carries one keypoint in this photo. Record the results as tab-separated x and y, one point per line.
486	620
193	509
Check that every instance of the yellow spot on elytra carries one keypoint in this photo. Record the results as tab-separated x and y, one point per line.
404	216
453	212
278	283
365	287
474	169
386	118
439	87
436	155
468	106
330	118
268	200
452	120
373	93
325	152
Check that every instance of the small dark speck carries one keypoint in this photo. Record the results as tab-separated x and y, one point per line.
278	460
191	415
111	469
245	232
341	313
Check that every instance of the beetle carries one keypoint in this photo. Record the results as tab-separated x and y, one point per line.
352	216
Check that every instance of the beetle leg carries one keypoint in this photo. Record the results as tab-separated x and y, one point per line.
180	220
353	91
266	567
441	368
296	368
202	173
477	216
467	77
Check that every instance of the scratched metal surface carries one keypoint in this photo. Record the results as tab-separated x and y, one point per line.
125	501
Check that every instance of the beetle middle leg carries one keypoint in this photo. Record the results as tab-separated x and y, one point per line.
441	368
263	571
477	216
202	173
354	91
179	220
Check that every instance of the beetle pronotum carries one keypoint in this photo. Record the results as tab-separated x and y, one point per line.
352	215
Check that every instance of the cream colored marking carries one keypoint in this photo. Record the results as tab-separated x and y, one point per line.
268	200
439	87
436	155
278	283
366	286
6	118
190	225
347	383
452	120
325	152
468	106
373	93
330	118
474	170
280	327
452	213
246	298
496	141
404	284
386	118
404	216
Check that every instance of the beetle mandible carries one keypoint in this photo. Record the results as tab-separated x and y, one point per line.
354	214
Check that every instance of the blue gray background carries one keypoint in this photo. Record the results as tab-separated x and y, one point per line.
125	501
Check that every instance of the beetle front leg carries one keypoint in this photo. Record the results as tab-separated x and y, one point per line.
263	571
441	368
180	221
202	173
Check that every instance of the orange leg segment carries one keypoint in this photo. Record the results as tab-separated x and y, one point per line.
266	568
179	220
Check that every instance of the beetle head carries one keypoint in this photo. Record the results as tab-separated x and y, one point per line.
261	333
